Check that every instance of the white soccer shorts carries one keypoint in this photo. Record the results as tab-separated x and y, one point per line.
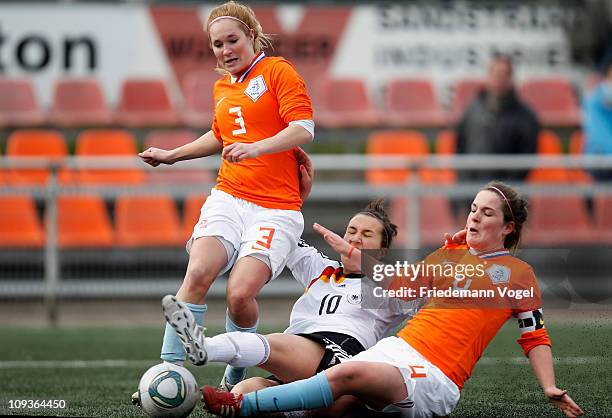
247	229
430	392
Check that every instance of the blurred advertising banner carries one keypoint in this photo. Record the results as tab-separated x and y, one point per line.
442	41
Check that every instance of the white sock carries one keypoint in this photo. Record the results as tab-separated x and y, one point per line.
241	349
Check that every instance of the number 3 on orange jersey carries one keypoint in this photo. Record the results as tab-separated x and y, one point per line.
239	121
266	238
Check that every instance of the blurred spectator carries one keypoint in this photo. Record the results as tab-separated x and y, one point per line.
497	122
597	119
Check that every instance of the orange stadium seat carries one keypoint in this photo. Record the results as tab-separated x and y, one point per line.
412	143
413	102
83	222
165	139
464	91
445	145
36	143
436	218
108	143
19	223
602	208
199	107
576	143
79	102
549	144
553	100
576	147
344	103
145	102
18	103
191	210
557	220
147	221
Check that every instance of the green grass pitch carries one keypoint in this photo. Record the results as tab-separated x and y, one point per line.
39	364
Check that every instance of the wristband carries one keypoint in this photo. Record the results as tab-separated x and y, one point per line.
350	252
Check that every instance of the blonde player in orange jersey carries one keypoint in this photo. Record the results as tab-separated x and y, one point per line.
252	219
421	371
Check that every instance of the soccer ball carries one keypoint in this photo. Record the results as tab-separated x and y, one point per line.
169	391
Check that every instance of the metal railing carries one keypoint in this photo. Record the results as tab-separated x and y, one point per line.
326	188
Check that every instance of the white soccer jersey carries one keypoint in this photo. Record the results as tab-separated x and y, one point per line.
332	301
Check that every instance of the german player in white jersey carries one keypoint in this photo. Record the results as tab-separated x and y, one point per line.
328	323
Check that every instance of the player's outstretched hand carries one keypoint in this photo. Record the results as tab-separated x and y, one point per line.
306	172
156	156
458	238
334	240
238	151
350	256
561	400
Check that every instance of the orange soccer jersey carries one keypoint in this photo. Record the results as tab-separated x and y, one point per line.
258	105
453	332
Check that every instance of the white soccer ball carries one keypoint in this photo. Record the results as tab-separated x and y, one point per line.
169	391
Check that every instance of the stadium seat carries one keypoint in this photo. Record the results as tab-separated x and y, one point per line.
576	143
147	221
191	213
108	143
558	220
602	208
79	102
576	147
445	145
145	102
413	103
401	143
436	218
18	104
553	100
344	103
83	222
46	144
19	223
197	90
169	139
464	91
446	142
549	144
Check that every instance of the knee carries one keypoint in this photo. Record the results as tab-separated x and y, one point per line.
198	278
239	296
347	375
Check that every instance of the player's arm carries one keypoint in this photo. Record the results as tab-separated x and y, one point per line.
306	172
203	146
540	358
292	136
352	258
536	344
306	262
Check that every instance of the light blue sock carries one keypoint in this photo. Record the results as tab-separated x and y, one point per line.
172	348
301	395
236	374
